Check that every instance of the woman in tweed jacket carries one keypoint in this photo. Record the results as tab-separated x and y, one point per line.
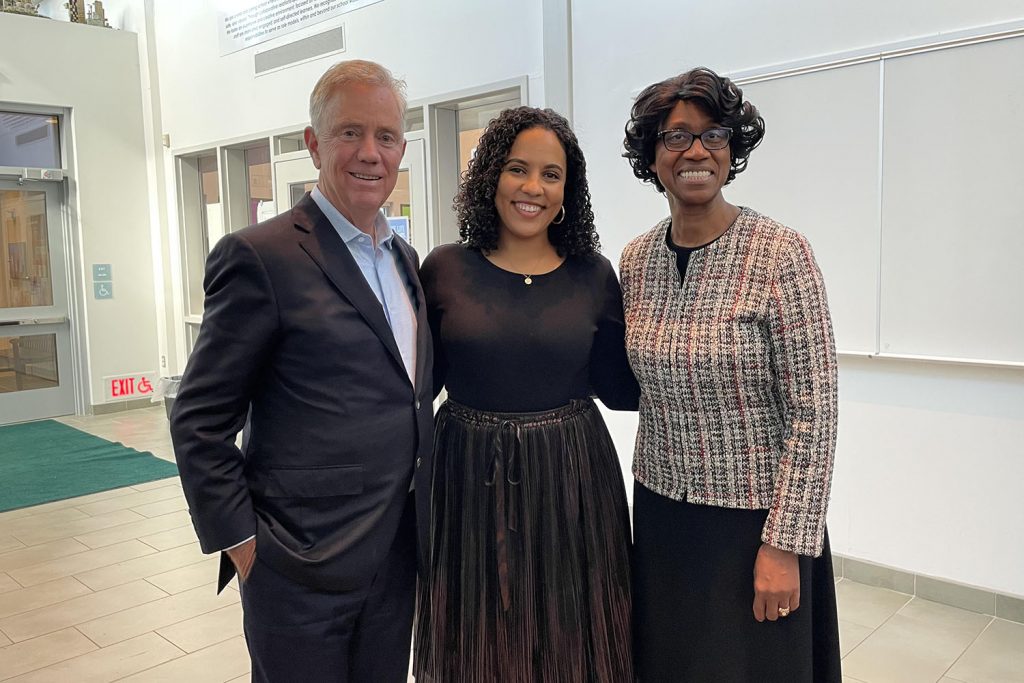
729	334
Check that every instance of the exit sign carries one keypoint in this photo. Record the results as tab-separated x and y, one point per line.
127	387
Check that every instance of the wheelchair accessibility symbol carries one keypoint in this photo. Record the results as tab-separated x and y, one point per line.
103	290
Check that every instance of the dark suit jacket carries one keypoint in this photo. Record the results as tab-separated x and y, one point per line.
292	329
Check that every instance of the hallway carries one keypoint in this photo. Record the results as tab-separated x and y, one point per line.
112	586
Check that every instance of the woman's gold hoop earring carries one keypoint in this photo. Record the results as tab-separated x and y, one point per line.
561	215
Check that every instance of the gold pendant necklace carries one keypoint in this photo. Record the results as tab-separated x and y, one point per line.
528	278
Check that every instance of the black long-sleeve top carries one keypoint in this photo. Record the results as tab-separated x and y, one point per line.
506	346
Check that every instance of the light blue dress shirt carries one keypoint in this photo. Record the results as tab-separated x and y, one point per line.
382	266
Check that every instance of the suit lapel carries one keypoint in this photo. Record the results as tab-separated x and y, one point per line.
409	261
329	252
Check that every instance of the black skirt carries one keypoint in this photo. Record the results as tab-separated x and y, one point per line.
528	576
693	601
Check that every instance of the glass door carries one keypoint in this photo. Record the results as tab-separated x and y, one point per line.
35	338
406	208
294	176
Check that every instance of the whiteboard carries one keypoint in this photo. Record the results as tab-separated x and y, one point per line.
952	279
817	172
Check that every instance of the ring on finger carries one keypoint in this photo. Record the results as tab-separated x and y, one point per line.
784	611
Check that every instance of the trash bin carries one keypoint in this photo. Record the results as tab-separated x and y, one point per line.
167	388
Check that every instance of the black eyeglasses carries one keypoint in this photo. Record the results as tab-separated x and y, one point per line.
679	140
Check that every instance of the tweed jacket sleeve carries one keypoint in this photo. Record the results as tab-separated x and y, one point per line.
804	362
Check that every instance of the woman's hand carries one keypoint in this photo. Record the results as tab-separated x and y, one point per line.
776	583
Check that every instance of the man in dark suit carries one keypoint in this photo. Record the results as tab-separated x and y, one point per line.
315	326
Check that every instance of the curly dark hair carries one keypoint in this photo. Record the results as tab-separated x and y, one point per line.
720	99
474	204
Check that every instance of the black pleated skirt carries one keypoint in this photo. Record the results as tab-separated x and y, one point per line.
693	601
528	576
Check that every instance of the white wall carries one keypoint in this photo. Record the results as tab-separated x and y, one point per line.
929	470
437	47
930	456
95	73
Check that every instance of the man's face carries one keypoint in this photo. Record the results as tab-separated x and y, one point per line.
357	148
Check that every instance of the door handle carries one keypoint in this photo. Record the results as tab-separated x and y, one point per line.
34	321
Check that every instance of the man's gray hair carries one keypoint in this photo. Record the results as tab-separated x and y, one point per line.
352	71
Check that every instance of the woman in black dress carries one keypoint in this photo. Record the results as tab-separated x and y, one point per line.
528	576
730	337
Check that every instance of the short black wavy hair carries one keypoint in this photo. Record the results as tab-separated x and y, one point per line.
719	97
474	204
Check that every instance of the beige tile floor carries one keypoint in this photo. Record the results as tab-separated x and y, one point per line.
112	587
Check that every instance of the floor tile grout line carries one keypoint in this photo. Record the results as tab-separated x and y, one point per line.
132	508
23	586
137	538
902	607
142	518
58	602
35	516
898	610
99	648
75	574
884	622
164	550
854	648
135	509
138	490
75	579
186	654
77	624
54	663
174	645
143	578
991	621
196	617
12	529
4	573
169	595
38	519
86	636
2	555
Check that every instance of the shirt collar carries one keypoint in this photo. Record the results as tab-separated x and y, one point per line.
344	227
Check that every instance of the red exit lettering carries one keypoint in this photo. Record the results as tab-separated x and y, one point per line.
122	387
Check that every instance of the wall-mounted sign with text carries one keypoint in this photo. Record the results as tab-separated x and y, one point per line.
127	387
251	22
102	281
400	224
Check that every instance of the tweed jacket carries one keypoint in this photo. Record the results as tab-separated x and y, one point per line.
737	369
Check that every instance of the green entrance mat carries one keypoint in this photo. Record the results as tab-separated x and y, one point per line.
46	460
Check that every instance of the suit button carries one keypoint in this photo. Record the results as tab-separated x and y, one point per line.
417	404
419	461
